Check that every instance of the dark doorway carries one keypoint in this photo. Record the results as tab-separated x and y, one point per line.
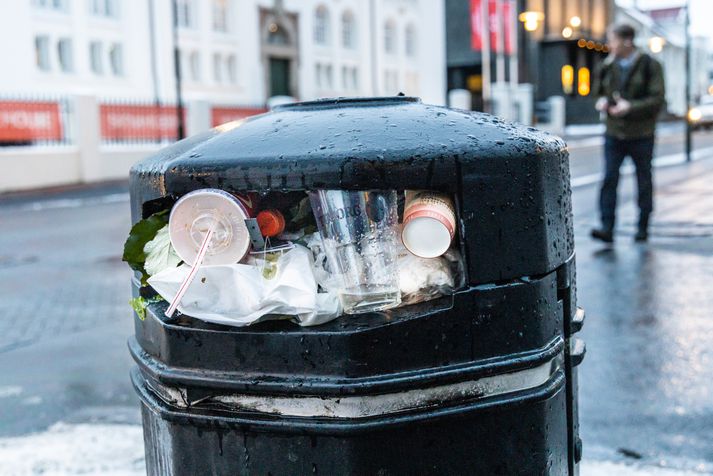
279	77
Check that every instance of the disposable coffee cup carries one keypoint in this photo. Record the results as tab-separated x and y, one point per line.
195	213
429	223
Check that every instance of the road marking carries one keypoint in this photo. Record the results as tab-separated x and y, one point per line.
11	391
71	202
628	169
583	143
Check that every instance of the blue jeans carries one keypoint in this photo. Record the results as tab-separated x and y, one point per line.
615	151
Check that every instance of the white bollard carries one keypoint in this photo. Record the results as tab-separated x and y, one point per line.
460	99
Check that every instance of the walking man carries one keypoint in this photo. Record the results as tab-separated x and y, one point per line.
631	92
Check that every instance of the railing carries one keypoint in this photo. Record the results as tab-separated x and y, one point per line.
35	121
222	114
49	121
126	122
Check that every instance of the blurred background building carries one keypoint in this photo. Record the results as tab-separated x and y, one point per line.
90	86
556	44
543	55
232	51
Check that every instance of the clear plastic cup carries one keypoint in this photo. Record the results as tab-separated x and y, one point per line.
359	234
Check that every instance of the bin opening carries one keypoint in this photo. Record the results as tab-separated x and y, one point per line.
310	257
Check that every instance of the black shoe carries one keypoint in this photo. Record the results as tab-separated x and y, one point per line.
641	236
606	236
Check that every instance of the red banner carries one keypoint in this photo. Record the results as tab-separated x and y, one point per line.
476	25
509	23
23	121
120	121
495	25
221	115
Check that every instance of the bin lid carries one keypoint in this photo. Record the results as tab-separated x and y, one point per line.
511	182
349	143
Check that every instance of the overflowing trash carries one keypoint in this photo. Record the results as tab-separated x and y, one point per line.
237	259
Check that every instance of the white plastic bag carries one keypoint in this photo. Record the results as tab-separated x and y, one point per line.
423	279
239	294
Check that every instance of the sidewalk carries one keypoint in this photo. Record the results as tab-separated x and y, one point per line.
117	450
646	384
591	135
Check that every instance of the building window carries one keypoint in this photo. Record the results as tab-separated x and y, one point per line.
64	53
116	60
410	40
348	30
217	68
42	52
95	57
350	78
389	37
321	25
104	8
277	35
391	82
186	13
220	15
194	62
57	5
318	74
345	82
412	84
232	67
328	77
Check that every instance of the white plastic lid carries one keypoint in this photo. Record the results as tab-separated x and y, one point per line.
193	215
426	237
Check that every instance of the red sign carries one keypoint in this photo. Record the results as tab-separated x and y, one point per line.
221	115
495	25
120	121
22	121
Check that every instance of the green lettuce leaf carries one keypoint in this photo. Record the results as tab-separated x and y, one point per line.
139	305
141	233
159	253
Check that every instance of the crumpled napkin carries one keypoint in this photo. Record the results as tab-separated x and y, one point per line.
239	294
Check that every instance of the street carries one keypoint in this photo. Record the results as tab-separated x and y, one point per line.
646	384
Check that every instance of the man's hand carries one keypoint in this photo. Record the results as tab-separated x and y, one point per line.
602	104
621	108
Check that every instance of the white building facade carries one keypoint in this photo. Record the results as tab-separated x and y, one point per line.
231	51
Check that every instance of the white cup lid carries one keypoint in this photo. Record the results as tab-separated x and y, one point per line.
193	215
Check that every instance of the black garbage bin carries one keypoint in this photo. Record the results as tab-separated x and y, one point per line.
479	382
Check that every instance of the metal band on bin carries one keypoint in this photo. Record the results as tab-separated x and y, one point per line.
355	407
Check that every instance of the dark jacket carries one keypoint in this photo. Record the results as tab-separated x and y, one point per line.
643	87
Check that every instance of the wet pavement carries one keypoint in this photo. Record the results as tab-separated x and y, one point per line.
646	384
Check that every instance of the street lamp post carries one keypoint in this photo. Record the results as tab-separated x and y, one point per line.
531	21
181	130
688	79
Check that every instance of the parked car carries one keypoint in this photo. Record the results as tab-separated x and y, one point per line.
701	116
